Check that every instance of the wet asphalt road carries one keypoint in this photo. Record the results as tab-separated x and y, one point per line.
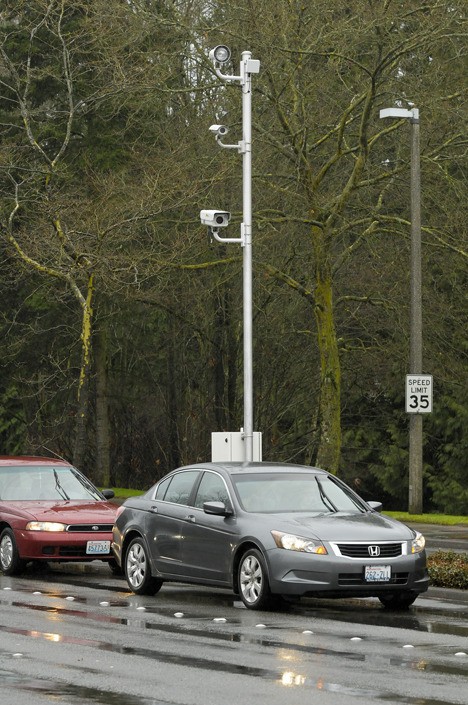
75	634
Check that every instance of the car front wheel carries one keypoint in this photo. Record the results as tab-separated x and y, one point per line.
398	600
138	571
252	581
10	561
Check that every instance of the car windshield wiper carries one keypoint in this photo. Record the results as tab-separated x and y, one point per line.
89	487
59	487
325	499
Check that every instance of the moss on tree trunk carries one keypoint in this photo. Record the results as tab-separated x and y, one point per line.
329	449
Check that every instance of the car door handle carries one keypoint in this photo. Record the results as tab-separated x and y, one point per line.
190	517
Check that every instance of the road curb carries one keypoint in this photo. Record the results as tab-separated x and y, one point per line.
446	594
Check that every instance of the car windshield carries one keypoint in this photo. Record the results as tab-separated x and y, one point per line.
45	482
294	492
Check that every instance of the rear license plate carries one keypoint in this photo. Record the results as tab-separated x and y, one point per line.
98	547
377	573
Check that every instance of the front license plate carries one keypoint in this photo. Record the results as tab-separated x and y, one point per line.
98	547
377	573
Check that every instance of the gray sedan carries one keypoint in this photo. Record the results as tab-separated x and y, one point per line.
267	530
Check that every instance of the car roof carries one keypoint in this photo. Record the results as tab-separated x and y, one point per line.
251	467
30	460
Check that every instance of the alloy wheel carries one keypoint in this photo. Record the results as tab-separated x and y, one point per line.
251	579
6	552
137	565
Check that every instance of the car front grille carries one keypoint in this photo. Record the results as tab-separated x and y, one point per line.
353	579
368	550
89	528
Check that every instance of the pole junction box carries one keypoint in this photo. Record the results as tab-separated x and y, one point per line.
230	446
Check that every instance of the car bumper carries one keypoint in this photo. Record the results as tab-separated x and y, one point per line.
302	574
60	546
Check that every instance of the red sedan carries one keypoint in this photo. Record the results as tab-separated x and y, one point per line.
49	511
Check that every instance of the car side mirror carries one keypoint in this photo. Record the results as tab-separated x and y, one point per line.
108	494
376	506
217	508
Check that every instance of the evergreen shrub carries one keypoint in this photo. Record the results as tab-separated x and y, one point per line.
448	569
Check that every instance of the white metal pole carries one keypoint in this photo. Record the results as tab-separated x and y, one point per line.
248	66
247	255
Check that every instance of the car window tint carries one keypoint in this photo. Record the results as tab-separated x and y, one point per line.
340	495
180	487
162	487
211	489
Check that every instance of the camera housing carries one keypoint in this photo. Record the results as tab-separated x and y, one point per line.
219	130
215	219
220	54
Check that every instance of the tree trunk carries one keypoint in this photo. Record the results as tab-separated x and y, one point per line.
225	367
174	454
232	346
219	357
102	469
329	450
83	383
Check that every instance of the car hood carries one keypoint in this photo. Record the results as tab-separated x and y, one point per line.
72	512
348	527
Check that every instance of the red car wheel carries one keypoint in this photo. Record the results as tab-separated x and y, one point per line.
10	561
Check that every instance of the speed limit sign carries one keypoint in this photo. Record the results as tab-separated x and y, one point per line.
418	394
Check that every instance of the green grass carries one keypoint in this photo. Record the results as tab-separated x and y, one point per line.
442	519
123	492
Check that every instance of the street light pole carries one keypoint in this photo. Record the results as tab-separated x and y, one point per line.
220	55
415	494
415	490
247	256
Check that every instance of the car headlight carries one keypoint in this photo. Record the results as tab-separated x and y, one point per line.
418	543
291	542
45	526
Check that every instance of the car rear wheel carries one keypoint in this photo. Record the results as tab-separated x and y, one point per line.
252	579
138	571
398	600
10	561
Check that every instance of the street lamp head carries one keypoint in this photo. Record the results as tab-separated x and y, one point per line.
220	54
396	113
